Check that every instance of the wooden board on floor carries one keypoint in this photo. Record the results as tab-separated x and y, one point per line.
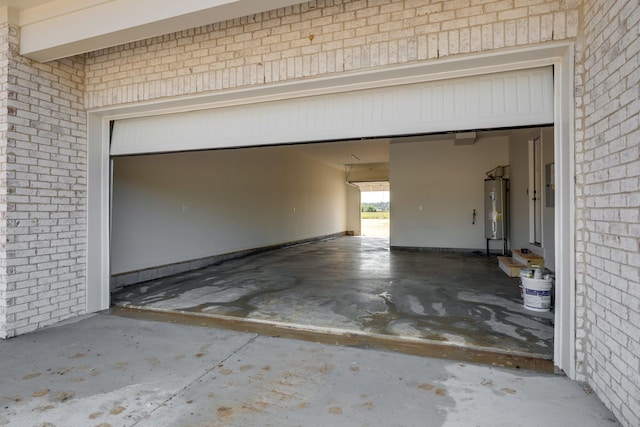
510	266
529	259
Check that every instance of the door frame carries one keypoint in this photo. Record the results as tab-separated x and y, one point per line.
560	55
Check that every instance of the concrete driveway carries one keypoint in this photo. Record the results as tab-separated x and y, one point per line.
104	370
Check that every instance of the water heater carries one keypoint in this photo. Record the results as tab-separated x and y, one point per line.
496	210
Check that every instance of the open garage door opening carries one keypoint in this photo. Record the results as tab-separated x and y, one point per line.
502	91
375	209
180	219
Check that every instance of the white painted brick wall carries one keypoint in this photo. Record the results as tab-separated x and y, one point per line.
4	66
608	204
318	38
43	188
43	212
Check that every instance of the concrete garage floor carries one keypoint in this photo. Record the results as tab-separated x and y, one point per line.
107	371
355	287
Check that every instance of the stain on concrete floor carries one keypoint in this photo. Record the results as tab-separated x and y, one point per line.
358	285
161	374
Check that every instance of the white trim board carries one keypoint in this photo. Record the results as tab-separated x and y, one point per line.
560	55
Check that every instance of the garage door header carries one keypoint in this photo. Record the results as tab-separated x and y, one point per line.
508	99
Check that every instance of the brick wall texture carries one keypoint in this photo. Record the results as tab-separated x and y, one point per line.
43	144
43	191
319	38
4	70
608	203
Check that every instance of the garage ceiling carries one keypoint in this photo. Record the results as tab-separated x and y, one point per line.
376	151
355	152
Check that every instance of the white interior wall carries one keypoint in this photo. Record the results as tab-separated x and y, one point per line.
436	185
353	210
548	213
519	183
176	207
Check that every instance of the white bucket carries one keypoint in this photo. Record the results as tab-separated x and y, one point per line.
537	293
524	272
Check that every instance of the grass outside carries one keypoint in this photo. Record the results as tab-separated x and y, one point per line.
374	215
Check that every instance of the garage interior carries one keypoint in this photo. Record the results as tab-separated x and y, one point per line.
270	236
